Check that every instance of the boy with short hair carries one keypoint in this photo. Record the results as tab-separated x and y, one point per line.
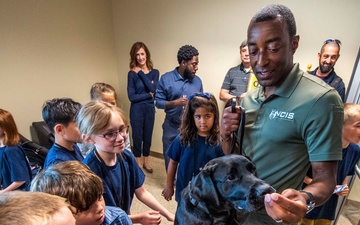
59	114
325	214
34	208
83	189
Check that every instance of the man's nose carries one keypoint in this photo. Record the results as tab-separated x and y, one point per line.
263	59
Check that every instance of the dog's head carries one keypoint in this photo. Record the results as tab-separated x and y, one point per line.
230	181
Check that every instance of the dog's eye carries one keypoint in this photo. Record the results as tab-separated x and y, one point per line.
231	177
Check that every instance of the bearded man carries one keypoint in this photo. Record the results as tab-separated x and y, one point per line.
328	55
172	91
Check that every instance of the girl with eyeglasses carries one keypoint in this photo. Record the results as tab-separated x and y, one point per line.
105	126
197	143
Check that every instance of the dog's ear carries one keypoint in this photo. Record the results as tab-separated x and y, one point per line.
204	188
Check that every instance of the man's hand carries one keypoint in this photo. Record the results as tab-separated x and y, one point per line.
136	69
180	101
289	206
229	123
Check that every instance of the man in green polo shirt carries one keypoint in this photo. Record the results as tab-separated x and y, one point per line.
291	121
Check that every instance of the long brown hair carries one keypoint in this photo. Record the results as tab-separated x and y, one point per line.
188	129
134	49
8	125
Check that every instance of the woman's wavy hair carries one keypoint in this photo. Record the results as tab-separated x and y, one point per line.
8	125
134	49
188	129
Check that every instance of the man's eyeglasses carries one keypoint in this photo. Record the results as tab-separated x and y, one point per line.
333	40
111	136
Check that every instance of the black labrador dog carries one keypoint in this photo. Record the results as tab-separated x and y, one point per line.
225	187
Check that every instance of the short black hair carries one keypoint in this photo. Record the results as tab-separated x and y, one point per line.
59	111
186	52
273	11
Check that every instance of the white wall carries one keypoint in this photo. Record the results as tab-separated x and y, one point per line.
53	48
58	48
216	28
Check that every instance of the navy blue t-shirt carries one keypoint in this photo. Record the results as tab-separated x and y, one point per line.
120	181
191	159
14	167
58	153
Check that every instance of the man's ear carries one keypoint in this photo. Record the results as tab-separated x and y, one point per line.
295	43
319	55
183	63
59	129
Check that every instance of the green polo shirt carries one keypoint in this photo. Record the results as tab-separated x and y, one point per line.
299	123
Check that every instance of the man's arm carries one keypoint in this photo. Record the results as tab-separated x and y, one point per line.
177	102
225	95
324	181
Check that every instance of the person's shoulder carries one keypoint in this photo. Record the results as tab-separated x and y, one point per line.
14	151
115	210
168	74
131	73
12	148
155	71
115	215
90	158
338	79
316	85
355	148
128	154
177	138
235	68
197	79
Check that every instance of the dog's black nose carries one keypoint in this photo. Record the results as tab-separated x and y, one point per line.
258	193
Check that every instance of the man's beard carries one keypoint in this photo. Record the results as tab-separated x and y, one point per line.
188	75
326	68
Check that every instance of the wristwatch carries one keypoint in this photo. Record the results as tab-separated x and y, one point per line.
310	201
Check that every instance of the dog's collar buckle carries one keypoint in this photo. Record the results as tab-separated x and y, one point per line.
193	201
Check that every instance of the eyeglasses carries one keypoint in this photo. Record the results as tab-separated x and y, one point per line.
333	40
111	136
204	95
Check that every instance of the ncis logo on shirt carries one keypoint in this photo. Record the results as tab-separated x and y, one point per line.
281	115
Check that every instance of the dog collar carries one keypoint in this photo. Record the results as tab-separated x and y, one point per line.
197	203
193	201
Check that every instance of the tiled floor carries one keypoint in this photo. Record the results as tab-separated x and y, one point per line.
155	183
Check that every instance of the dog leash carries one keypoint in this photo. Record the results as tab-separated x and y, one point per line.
241	130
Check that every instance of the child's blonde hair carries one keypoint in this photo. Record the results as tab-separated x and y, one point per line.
99	88
188	129
351	110
95	116
31	208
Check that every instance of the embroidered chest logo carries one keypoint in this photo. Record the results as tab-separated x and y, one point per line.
281	115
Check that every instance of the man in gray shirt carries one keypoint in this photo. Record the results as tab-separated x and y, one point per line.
236	79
